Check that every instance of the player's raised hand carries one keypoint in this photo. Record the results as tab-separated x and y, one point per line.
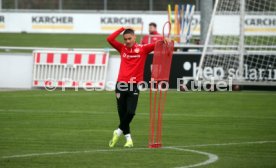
167	40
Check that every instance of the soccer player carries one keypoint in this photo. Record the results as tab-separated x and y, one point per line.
153	35
133	57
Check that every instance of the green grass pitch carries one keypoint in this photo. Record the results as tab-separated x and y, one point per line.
72	129
56	40
84	40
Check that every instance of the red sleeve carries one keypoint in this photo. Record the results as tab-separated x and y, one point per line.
145	39
149	47
112	39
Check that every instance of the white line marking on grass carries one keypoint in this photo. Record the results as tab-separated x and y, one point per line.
88	93
138	113
227	144
211	157
71	152
59	111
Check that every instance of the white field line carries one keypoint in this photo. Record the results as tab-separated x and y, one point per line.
227	144
70	152
138	113
211	157
55	94
91	93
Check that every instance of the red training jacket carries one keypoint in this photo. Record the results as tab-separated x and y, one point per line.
132	59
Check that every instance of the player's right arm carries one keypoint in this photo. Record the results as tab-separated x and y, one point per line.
112	39
145	39
150	47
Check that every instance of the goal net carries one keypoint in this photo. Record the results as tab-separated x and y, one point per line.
243	49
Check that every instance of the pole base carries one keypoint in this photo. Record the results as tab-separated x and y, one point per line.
155	145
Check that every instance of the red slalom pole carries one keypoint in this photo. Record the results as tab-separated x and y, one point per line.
151	113
162	105
159	121
161	65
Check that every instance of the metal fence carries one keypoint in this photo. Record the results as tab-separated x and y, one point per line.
141	5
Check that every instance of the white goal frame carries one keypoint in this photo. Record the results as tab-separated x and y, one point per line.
241	50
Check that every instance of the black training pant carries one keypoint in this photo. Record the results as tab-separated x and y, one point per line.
127	99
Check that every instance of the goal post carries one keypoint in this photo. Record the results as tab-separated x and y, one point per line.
244	47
